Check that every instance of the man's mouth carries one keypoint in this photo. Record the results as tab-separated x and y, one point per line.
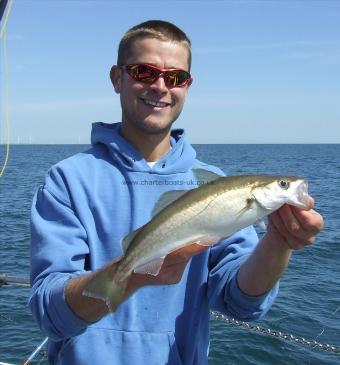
157	104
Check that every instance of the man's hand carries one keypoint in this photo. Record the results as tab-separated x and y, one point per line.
289	228
92	309
294	227
171	271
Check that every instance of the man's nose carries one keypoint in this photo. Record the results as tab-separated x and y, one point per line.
159	85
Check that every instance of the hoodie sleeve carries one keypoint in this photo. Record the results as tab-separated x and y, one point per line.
223	291
58	251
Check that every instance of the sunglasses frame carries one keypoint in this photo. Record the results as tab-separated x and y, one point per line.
160	71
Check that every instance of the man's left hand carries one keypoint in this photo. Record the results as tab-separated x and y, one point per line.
294	227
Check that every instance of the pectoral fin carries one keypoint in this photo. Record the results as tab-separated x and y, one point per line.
249	203
262	224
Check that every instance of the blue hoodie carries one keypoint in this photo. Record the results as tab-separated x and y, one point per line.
87	203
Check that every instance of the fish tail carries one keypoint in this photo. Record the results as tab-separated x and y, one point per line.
104	288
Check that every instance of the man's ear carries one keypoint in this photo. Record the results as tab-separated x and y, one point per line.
115	76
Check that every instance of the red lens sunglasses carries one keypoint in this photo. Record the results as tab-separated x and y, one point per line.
148	74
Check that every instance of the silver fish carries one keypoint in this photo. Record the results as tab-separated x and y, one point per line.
205	216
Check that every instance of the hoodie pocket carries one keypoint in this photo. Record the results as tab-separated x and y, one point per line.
105	346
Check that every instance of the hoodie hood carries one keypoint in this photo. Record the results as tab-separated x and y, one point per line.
179	159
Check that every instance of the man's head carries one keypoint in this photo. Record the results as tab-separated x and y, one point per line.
152	76
157	29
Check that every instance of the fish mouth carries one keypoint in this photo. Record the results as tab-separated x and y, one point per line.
300	198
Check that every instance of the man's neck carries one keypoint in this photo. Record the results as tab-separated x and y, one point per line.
152	146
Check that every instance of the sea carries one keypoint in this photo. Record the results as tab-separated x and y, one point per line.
308	304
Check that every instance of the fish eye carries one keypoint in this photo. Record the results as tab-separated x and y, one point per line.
284	184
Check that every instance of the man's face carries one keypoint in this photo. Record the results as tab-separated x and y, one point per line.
138	99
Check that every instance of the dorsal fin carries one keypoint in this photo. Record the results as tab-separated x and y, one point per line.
201	176
166	199
204	176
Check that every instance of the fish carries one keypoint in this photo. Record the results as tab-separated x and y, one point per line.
205	215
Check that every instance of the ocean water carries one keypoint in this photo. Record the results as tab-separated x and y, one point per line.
308	304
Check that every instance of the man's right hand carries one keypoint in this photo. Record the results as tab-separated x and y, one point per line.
92	309
171	271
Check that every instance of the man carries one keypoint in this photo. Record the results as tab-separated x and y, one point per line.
90	201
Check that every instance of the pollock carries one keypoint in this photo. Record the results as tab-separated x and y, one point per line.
205	216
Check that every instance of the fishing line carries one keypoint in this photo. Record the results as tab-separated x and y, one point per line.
324	328
9	319
5	92
43	357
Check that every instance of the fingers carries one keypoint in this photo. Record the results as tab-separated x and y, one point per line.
296	227
170	273
175	263
309	219
172	268
185	253
310	203
278	230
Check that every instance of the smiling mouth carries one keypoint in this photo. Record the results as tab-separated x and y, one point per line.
157	104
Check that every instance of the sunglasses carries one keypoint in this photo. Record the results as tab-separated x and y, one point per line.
148	74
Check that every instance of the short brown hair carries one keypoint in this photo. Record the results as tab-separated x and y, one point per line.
158	29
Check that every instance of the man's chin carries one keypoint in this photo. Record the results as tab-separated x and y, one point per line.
155	127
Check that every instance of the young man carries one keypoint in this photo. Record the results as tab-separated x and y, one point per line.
93	199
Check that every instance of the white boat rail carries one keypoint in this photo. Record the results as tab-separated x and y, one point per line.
33	354
12	280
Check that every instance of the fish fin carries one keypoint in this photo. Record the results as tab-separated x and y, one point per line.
102	287
170	196
206	176
249	203
166	199
152	267
262	224
193	248
126	241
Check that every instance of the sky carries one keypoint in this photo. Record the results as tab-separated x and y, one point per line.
264	71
